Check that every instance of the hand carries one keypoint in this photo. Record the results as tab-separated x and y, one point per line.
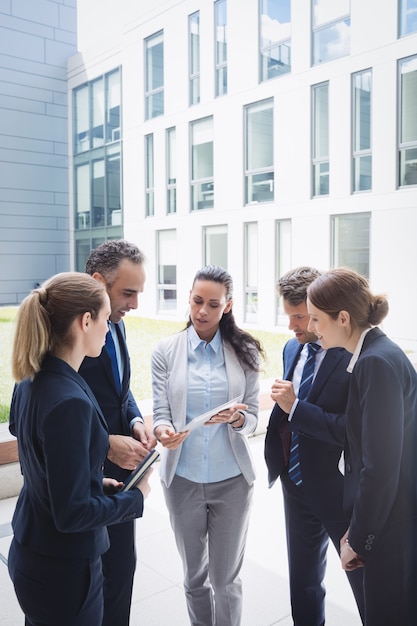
125	451
350	559
169	438
228	415
143	484
111	486
142	434
282	392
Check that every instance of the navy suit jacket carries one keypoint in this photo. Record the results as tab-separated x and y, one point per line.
320	421
381	437
118	407
63	441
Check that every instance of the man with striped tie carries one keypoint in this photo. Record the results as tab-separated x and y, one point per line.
303	446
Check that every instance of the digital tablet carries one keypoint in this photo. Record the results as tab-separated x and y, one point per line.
140	471
202	419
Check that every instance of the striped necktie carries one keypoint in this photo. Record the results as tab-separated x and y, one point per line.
294	468
111	349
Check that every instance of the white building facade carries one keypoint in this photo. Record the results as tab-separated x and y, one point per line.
258	135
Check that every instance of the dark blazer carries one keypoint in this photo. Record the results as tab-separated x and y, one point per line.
119	407
63	441
320	421
380	456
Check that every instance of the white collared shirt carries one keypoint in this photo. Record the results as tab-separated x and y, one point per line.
355	355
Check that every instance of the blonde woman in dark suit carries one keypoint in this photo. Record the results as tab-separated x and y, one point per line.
62	512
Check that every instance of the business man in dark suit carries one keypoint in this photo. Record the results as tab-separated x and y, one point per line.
308	418
119	266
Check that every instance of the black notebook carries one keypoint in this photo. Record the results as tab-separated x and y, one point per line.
138	473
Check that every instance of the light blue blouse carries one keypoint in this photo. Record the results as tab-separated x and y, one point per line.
206	455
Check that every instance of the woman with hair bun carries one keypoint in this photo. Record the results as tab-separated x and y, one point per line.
61	515
380	490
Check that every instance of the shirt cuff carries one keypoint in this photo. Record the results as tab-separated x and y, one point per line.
134	420
291	413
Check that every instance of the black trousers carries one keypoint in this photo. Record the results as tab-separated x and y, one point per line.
308	535
119	564
55	591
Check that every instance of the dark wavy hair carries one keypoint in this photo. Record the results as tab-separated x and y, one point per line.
246	347
106	258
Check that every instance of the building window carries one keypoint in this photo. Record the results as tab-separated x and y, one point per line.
82	196
259	152
274	38
149	176
194	55
215	245
408	121
171	146
113	206
361	141
202	183
96	112
331	30
154	76
251	272
320	97
113	101
167	270
350	241
98	192
283	262
408	17
220	21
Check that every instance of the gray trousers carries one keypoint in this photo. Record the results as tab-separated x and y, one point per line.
210	523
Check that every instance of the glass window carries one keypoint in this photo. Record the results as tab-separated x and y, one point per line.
194	42
113	101
215	245
202	183
331	30
320	139
220	20
275	38
251	272
98	192
408	121
98	204
113	186
167	270
82	196
97	118
259	152
362	156
283	262
350	241
408	17
81	119
171	144
154	76
149	175
97	112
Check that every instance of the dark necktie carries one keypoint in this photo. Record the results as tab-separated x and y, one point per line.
111	349
294	469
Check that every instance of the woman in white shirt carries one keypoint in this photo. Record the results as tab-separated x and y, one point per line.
207	472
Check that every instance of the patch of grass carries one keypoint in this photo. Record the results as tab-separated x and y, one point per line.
142	336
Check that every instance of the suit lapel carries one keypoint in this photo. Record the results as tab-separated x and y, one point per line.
329	364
